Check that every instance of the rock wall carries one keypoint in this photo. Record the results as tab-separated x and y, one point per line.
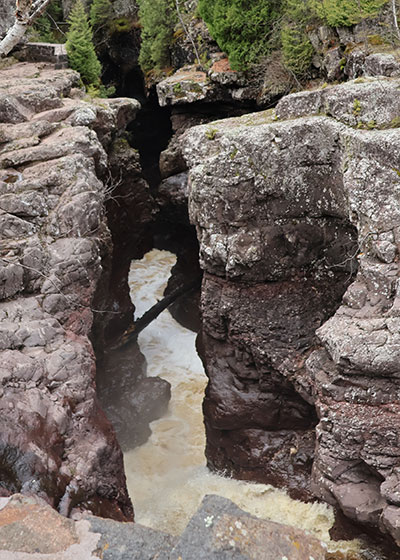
7	12
55	271
297	214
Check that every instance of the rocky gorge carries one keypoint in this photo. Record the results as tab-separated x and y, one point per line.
297	226
57	286
301	293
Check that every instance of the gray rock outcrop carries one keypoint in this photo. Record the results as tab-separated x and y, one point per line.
298	217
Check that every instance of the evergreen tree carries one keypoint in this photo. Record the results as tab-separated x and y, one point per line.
100	15
347	12
296	46
158	18
241	28
81	54
46	27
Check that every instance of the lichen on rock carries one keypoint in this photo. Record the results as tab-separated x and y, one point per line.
55	440
298	223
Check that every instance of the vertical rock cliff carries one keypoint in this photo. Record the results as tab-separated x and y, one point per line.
56	280
297	214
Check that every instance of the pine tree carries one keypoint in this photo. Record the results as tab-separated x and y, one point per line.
81	54
158	18
297	49
241	28
100	14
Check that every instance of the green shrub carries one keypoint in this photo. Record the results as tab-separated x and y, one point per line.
338	13
157	18
81	54
100	13
241	28
296	47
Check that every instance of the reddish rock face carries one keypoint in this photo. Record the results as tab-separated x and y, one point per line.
258	407
54	252
298	223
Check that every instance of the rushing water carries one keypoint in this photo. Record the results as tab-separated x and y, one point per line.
167	477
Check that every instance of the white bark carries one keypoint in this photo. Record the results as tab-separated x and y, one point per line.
395	22
12	38
26	13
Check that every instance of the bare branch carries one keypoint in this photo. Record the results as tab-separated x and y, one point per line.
186	30
395	22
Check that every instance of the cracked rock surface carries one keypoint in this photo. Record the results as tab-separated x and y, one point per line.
298	217
55	441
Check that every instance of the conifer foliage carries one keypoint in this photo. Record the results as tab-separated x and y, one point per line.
100	15
81	53
297	50
158	18
241	28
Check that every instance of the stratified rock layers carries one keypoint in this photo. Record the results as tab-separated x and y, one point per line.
55	440
298	218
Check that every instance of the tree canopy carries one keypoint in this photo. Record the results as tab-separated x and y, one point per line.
158	18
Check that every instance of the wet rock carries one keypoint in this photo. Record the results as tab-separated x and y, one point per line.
178	235
29	527
265	196
120	541
130	400
221	530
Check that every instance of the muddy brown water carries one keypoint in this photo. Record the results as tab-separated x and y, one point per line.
167	476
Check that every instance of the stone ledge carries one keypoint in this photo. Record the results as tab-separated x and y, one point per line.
55	53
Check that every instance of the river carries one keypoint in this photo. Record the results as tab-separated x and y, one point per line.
167	476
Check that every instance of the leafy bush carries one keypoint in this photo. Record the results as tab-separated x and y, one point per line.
337	13
80	49
241	28
157	18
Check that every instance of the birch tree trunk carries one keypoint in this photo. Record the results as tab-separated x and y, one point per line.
395	22
26	13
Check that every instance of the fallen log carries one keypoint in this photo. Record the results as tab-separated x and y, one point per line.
131	334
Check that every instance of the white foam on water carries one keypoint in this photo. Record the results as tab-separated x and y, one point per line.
167	476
